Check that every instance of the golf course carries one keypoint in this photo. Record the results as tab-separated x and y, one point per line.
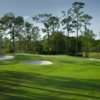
49	50
67	78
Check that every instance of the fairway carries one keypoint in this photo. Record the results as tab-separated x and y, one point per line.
68	78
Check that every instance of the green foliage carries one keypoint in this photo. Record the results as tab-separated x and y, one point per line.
12	26
57	42
87	41
17	35
67	26
77	13
85	19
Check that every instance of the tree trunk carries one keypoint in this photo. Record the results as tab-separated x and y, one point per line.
67	42
48	44
0	45
77	37
13	38
57	47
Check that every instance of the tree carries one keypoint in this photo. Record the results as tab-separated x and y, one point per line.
19	25
28	31
1	37
1	43
12	26
35	37
77	13
72	42
8	21
85	20
96	48
53	22
57	43
44	19
88	35
87	41
6	45
67	26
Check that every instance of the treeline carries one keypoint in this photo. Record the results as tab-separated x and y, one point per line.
17	35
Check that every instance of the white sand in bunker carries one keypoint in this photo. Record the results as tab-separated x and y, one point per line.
39	62
6	57
93	59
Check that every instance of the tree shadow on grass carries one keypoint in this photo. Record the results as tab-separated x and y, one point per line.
32	86
93	63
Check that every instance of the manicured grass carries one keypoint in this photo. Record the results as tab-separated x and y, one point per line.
68	78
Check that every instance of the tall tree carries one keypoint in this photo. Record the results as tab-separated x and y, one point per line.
77	13
8	21
50	23
85	20
87	34
35	37
53	22
19	25
44	18
12	26
1	37
67	26
28	30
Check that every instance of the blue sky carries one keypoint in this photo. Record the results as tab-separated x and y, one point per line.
29	8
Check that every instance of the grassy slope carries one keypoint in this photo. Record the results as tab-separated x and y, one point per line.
69	78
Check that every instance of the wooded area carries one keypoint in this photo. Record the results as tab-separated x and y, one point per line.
17	35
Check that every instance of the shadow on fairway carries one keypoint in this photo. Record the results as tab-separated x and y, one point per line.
31	86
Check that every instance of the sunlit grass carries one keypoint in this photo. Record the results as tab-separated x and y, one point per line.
68	78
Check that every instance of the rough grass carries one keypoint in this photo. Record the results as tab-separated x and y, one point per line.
94	55
68	78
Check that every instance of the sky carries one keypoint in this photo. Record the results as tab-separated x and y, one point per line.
29	8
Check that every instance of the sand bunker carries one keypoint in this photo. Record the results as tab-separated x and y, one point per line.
6	57
39	62
93	59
